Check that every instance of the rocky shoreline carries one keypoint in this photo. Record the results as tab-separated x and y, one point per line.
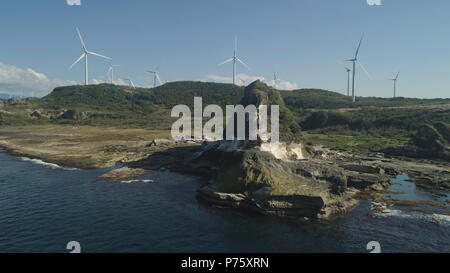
327	184
324	186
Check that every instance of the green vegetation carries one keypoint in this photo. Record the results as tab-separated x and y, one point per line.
110	105
322	99
172	94
433	137
325	117
259	93
358	143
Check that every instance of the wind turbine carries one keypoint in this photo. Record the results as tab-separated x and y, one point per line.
155	76
355	61
234	59
130	83
275	80
111	71
395	84
348	80
85	56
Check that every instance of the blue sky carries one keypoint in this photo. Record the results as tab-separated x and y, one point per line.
304	41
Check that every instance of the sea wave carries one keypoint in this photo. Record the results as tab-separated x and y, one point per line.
136	181
46	164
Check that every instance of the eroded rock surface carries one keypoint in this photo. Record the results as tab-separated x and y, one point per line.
256	180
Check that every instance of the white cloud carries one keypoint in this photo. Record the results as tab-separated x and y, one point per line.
121	82
73	2
244	80
285	85
241	79
27	82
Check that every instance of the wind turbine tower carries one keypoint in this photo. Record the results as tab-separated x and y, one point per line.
348	80
111	71
234	59
130	83
395	84
155	76
355	61
275	80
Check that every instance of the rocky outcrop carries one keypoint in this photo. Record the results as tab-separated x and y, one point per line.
431	175
429	142
36	114
74	115
242	176
124	173
258	93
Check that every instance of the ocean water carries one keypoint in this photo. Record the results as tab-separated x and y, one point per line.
44	206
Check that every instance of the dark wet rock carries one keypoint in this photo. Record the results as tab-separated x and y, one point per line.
367	180
363	168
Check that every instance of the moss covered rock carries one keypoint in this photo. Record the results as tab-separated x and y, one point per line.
429	137
258	93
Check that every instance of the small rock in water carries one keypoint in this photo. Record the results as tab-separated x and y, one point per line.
436	220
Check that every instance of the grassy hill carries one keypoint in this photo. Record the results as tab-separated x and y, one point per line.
323	99
114	97
107	104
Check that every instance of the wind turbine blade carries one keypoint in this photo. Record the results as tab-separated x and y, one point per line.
81	40
225	62
365	71
359	46
101	56
239	60
396	77
157	77
79	59
349	60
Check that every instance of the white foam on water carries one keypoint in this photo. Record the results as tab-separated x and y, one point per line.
46	164
443	219
136	181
